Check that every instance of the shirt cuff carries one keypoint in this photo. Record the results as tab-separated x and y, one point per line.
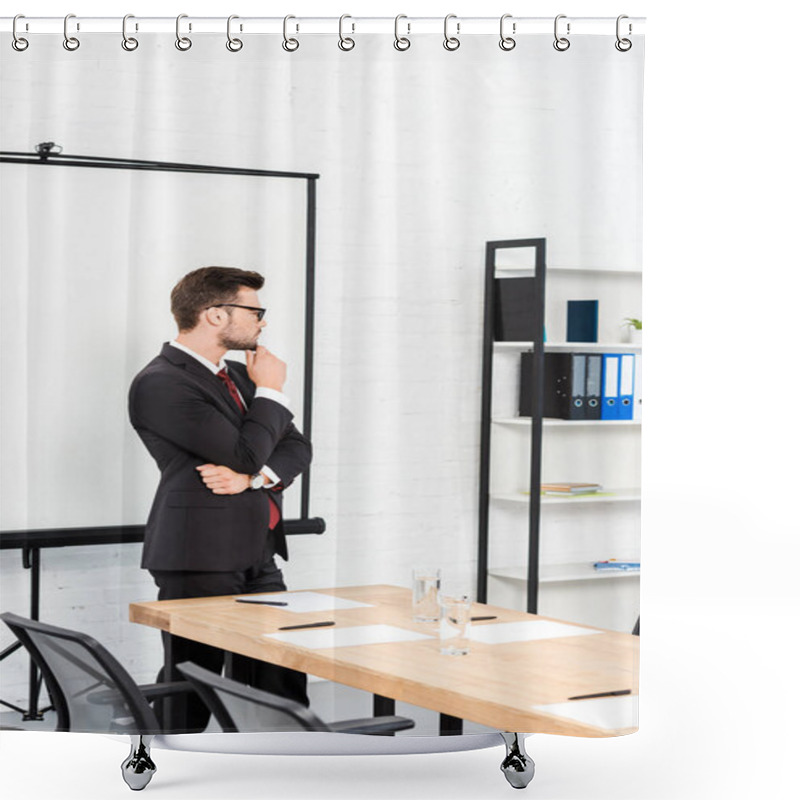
273	394
271	477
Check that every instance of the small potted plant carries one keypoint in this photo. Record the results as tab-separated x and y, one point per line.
634	329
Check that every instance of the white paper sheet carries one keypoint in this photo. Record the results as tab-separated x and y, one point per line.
604	712
504	632
302	602
323	638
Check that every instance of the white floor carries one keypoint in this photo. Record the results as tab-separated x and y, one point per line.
85	767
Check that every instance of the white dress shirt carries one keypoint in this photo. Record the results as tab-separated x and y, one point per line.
261	391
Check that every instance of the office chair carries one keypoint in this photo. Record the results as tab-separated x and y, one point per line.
93	693
244	709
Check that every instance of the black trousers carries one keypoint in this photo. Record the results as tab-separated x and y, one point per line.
188	713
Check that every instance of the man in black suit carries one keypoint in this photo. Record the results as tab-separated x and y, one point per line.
222	436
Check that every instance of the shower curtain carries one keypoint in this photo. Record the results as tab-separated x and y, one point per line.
419	155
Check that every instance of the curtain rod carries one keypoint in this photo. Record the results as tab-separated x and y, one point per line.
405	25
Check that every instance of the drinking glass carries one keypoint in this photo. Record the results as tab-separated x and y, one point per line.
454	622
425	601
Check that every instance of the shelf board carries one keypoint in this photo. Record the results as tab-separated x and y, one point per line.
576	270
606	496
599	270
589	347
525	422
562	573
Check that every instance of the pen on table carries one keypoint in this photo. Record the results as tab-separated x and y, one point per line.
261	602
480	619
618	693
308	625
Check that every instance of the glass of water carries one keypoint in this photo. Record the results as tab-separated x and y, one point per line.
454	623
425	601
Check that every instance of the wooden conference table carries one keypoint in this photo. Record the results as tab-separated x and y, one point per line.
519	675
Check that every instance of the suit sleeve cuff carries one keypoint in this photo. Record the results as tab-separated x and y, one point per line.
271	477
273	394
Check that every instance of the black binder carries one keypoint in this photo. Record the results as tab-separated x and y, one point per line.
594	385
514	299
572	385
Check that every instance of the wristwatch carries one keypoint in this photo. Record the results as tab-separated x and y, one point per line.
257	481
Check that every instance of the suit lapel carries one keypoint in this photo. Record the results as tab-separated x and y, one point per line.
214	385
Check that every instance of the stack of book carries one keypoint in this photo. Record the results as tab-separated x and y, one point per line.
570	489
612	565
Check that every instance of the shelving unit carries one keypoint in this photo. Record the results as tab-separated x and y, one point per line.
549	570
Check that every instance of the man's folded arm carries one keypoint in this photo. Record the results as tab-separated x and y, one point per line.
291	456
185	417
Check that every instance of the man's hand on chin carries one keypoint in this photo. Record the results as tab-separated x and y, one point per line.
222	480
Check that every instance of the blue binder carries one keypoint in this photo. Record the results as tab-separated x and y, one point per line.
611	370
626	384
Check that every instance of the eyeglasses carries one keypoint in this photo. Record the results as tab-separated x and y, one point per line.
259	311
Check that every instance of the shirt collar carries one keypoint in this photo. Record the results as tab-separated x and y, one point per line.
215	368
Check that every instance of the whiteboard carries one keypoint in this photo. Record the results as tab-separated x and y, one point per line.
88	258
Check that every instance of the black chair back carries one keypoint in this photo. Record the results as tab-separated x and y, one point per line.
243	709
90	690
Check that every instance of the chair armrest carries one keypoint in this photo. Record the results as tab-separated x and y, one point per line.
151	691
379	725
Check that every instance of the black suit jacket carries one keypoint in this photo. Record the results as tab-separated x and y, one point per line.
185	416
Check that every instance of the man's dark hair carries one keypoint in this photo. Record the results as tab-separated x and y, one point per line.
208	286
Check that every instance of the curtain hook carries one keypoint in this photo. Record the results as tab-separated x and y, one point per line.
507	42
289	45
234	45
70	42
346	43
129	43
623	45
401	42
18	42
182	42
561	43
451	42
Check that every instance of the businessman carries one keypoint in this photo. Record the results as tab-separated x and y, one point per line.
222	436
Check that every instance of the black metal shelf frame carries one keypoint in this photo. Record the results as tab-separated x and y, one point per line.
537	318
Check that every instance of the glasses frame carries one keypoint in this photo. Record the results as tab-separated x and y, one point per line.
259	311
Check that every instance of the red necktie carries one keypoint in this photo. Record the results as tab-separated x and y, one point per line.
274	511
231	386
